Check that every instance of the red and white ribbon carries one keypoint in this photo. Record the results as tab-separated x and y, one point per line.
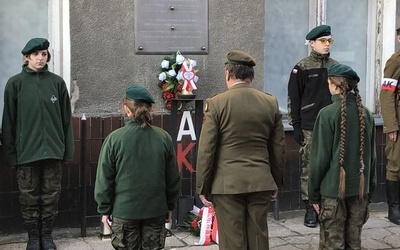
188	76
206	223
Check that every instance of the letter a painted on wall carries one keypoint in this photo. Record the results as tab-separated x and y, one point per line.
186	117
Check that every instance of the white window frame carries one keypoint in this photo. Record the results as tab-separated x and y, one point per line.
318	10
59	37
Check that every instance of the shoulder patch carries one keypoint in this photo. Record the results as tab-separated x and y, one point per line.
389	84
294	71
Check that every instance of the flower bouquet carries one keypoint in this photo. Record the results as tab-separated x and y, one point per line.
177	78
193	222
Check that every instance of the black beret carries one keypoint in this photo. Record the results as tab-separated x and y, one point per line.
35	44
322	30
241	58
343	71
138	93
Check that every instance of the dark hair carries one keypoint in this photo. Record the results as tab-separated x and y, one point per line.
240	71
398	31
141	111
347	85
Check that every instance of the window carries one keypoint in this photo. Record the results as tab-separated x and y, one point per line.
353	32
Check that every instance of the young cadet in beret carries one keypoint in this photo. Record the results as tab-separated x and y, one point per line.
342	174
137	180
37	139
390	109
241	157
307	93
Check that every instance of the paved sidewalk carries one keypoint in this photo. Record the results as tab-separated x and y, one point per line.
288	233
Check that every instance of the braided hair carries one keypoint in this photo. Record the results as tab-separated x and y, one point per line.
141	111
345	86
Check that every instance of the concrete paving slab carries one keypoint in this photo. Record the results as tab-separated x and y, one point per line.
288	233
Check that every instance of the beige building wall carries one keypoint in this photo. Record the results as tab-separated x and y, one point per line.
104	63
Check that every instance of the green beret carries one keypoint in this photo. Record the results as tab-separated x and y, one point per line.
138	93
241	58
322	30
343	71
35	44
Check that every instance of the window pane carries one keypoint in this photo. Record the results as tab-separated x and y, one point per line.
284	44
25	20
349	20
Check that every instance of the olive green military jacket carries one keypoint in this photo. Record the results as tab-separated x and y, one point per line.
241	146
37	119
389	95
323	175
137	174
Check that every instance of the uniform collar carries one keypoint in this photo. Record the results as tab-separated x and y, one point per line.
29	70
336	98
239	84
319	57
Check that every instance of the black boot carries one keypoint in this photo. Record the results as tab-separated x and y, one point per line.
311	217
32	227
46	239
393	201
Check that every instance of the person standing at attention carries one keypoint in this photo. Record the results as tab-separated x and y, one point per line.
307	93
38	138
342	176
390	110
241	157
137	182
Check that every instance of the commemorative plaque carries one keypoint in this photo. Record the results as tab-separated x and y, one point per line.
166	26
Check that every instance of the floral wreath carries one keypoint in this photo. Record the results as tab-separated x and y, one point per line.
177	76
193	222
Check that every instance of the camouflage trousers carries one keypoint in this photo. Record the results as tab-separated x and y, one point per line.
39	184
138	234
392	151
341	222
305	151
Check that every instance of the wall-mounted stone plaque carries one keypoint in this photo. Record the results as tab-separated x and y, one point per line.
165	26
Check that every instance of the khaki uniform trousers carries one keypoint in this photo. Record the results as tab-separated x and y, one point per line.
392	151
242	220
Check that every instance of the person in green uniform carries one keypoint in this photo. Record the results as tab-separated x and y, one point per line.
390	110
37	139
342	174
307	93
137	182
241	157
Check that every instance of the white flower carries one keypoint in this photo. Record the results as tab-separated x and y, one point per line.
162	76
193	63
172	72
179	76
179	59
196	78
165	64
